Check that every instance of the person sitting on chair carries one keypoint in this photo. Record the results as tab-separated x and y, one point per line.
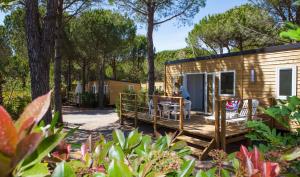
183	92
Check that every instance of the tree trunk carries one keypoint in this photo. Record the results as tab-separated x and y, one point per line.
40	46
298	15
1	91
150	50
69	76
101	84
57	63
83	75
114	67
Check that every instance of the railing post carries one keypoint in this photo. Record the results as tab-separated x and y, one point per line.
181	116
135	111
223	124
249	109
217	123
155	113
121	116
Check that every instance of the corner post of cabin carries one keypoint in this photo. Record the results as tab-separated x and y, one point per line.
121	116
135	110
217	123
155	100
223	124
249	109
181	113
165	81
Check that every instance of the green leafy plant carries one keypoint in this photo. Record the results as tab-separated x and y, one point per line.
23	144
134	155
240	164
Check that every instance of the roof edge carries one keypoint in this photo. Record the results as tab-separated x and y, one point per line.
246	52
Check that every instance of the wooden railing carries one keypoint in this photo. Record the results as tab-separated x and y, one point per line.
137	104
220	118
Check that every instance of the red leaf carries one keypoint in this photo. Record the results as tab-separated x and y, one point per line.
243	154
8	134
269	169
62	151
256	158
27	146
34	112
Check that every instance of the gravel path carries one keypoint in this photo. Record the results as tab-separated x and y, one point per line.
89	119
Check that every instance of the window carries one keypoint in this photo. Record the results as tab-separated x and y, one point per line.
227	83
131	87
286	82
105	89
94	89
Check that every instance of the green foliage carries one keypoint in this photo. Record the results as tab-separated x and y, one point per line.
89	99
240	28
23	144
134	155
286	111
292	33
263	133
277	144
16	105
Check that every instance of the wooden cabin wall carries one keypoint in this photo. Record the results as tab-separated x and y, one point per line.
114	88
117	87
265	66
209	66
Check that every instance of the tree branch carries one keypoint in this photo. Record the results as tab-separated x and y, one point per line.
133	7
176	15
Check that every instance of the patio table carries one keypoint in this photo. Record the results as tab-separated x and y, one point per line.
168	108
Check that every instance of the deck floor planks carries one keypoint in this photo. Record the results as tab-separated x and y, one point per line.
197	125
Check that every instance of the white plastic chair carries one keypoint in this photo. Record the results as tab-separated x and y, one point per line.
152	110
242	116
187	109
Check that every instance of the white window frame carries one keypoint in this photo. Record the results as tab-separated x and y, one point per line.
131	87
294	80
105	89
234	83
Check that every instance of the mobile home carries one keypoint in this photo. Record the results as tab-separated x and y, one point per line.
113	88
260	73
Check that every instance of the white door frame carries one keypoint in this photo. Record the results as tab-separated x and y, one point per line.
205	87
213	92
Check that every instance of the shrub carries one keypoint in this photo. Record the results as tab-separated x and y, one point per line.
89	99
275	143
16	105
134	155
24	144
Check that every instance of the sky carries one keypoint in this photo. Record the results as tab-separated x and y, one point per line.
170	36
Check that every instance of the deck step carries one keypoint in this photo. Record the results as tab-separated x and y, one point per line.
196	152
193	141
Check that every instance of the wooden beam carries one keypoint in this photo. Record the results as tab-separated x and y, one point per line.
212	145
165	81
121	116
223	124
135	111
181	115
249	109
217	123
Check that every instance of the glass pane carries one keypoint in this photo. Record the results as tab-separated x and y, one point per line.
285	82
227	83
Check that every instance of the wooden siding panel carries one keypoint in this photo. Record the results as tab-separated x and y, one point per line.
264	64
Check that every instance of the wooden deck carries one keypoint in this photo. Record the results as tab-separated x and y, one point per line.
198	125
201	132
